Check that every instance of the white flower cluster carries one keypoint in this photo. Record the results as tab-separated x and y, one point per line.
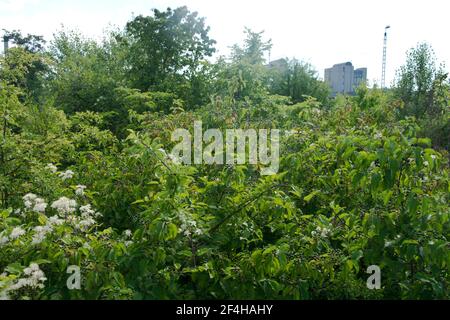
68	174
378	136
64	206
80	190
87	218
52	167
34	203
3	240
189	226
16	233
35	278
322	232
128	234
316	111
40	232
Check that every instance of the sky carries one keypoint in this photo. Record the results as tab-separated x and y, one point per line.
321	32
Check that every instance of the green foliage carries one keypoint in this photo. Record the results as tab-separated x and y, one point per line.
30	137
140	102
25	70
421	85
253	49
166	51
31	43
87	180
297	80
423	90
244	76
85	75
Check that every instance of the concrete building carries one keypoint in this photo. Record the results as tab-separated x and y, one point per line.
280	65
359	76
343	78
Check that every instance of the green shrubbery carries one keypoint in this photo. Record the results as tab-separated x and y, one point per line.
86	180
351	192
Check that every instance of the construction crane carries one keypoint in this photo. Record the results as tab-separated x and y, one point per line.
383	69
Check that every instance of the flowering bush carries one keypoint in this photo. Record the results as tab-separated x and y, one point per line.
53	237
356	188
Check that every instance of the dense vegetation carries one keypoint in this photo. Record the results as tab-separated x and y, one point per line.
85	178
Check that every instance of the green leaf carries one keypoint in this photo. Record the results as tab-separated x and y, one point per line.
172	231
356	255
387	196
42	219
412	204
309	197
14	268
410	242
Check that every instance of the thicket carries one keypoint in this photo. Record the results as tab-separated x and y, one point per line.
86	180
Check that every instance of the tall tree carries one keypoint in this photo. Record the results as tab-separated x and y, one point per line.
166	50
297	80
253	50
420	84
26	65
30	42
244	75
85	73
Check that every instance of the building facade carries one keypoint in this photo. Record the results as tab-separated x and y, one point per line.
359	76
344	78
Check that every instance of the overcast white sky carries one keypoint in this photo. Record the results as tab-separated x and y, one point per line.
322	32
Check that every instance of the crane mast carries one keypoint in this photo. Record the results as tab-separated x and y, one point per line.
383	69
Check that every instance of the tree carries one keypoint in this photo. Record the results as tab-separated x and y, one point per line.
32	43
165	51
297	80
243	75
253	50
26	65
252	76
28	135
420	84
86	73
